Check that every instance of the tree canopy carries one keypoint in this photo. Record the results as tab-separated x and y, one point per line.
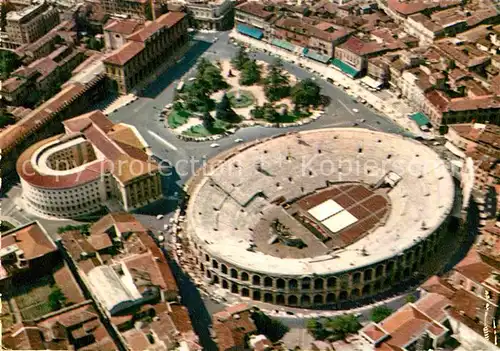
198	97
306	93
224	111
336	328
379	313
208	121
8	63
250	73
210	74
276	83
240	59
272	328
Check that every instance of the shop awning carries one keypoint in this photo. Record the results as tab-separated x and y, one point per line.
420	119
344	67
317	56
250	31
372	83
283	44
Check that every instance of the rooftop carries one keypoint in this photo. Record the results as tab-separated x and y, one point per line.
223	210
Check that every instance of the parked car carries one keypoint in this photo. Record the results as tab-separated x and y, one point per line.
160	216
214	145
239	140
355	110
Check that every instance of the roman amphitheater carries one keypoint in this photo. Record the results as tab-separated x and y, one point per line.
315	218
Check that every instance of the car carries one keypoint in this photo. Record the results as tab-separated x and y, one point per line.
362	120
355	101
168	106
355	124
214	145
355	110
162	119
192	79
290	313
239	140
160	216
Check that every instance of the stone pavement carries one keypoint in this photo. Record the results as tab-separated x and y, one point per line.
387	104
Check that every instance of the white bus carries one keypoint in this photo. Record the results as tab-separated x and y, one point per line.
180	86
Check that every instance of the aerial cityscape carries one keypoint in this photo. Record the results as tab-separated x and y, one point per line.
219	175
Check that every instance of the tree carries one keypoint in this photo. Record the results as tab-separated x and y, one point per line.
211	75
224	111
316	329
276	84
379	313
94	44
198	97
306	93
270	113
56	299
8	63
339	327
208	121
240	59
6	119
272	328
250	74
410	298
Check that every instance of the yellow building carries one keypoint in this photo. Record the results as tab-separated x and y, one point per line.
157	43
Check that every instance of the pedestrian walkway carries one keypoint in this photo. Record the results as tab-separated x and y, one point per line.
122	100
382	105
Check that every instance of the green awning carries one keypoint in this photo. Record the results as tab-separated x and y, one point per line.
317	56
250	31
344	67
420	119
283	44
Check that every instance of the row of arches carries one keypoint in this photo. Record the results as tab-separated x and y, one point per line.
316	291
320	283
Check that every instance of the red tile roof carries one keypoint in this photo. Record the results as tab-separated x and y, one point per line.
125	53
254	8
361	48
125	27
473	267
30	238
167	20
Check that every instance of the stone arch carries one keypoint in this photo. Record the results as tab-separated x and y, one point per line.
343	295
379	271
377	286
417	251
356	277
256	279
414	267
305	300
223	268
331	282
368	275
216	279
245	292
268	282
234	273
256	295
318	299
280	283
293	300
422	260
207	258
209	275
293	284
234	288
356	292
225	284
202	267
390	267
244	276
280	299
330	298
268	297
397	276
306	283
367	290
319	283
215	264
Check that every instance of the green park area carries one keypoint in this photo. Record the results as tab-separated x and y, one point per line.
224	94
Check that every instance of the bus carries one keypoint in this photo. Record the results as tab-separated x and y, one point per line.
180	86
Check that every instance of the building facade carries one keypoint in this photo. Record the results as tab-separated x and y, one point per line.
157	44
31	23
141	9
254	14
74	174
211	15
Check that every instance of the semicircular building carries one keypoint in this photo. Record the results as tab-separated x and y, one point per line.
315	218
95	161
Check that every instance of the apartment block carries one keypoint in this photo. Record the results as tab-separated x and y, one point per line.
27	25
146	50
